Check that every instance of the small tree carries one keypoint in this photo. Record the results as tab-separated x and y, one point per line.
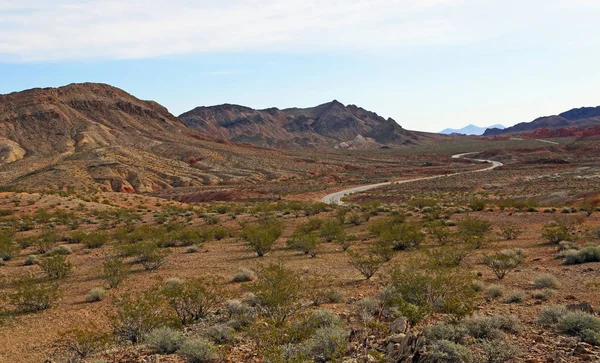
306	242
555	233
473	231
115	271
137	315
366	264
418	289
261	237
56	267
31	296
83	342
331	231
193	299
280	292
504	261
442	233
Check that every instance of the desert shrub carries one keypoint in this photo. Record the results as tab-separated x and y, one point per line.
240	314
581	324
492	327
442	233
8	248
383	249
477	204
494	291
555	233
164	340
366	264
83	342
95	294
31	260
45	241
515	297
137	315
504	261
280	292
399	235
327	343
419	289
192	249
114	270
447	351
478	285
243	275
473	231
511	232
544	294
589	253
198	351
192	299
95	239
60	250
220	334
261	237
31	296
56	267
311	225
306	242
355	218
451	332
331	231
498	351
551	315
150	255
544	281
346	241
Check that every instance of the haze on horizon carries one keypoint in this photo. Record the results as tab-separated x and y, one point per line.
428	64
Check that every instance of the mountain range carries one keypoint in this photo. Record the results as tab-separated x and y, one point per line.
331	124
580	118
469	130
95	136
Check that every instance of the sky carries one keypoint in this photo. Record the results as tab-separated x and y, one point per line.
428	64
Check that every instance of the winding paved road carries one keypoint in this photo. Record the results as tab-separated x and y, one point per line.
336	198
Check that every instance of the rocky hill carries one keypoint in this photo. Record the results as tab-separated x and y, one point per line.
469	130
578	117
100	137
328	125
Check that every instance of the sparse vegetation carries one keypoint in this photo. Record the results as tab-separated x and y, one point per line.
503	262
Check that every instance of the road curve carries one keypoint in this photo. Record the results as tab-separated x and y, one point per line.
336	198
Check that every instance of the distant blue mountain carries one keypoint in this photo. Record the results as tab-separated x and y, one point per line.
470	130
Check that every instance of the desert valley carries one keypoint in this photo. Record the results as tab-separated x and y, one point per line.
129	234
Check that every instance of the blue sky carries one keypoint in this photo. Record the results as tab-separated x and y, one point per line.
429	64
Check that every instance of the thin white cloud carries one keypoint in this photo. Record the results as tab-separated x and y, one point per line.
39	30
47	30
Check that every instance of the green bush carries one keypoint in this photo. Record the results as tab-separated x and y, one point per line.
477	204
31	296
150	255
83	342
307	242
115	271
198	351
511	232
366	263
473	231
8	248
515	297
192	299
95	239
280	292
555	233
419	289
332	231
56	267
164	340
504	261
60	250
45	241
137	315
498	351
261	237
